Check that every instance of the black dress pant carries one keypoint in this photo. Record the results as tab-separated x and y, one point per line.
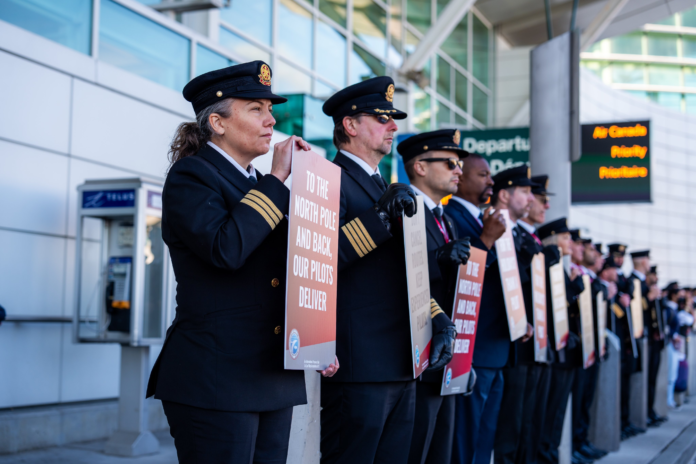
583	393
533	412
433	430
559	391
509	432
222	437
367	423
654	351
628	363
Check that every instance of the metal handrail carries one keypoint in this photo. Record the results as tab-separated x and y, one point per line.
44	319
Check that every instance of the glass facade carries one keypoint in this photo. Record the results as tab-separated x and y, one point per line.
656	64
315	47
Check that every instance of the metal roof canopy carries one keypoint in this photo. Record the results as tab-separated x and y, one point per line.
523	22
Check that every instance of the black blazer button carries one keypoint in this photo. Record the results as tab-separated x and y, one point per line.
275	282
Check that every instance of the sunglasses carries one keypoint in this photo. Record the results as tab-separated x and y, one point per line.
381	118
452	163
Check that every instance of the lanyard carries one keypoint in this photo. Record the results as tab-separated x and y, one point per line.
443	230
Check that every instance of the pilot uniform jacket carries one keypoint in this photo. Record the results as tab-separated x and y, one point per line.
443	279
526	248
598	288
624	324
492	348
570	356
373	332
650	319
228	243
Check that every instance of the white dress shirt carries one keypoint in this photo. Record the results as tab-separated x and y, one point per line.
362	163
247	174
640	275
472	208
429	203
528	227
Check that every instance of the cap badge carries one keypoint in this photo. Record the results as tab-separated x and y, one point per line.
390	93
265	76
457	137
547	183
529	173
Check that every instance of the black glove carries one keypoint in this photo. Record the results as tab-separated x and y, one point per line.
398	199
552	255
442	348
456	251
471	383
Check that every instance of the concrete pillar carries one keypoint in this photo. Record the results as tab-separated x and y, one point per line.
305	430
638	407
605	413
565	449
133	437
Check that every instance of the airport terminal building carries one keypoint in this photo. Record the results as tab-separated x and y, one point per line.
92	90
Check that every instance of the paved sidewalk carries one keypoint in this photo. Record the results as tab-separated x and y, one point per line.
643	448
91	452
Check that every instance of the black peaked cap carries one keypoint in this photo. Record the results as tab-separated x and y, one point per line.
617	248
446	139
609	263
372	96
247	80
542	185
518	176
558	226
575	235
640	254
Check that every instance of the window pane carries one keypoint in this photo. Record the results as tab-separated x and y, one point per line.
334	9
364	66
143	47
460	120
456	44
370	25
597	67
68	22
461	93
251	17
639	93
480	105
690	100
331	54
627	73
690	77
295	33
664	75
443	77
668	99
395	50
671	21
421	106
419	14
322	90
688	19
241	47
411	42
689	46
288	79
480	51
207	60
629	44
662	45
443	115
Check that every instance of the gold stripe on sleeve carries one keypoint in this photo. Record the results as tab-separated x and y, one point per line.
358	250
270	207
259	210
362	229
358	239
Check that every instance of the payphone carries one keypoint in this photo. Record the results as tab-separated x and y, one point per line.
122	264
123	286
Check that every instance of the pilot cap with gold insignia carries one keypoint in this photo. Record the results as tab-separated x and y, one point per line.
617	249
513	177
542	185
556	227
373	96
247	80
445	139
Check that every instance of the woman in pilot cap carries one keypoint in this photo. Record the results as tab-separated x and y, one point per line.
220	374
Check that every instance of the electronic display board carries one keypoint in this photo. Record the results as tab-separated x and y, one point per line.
615	164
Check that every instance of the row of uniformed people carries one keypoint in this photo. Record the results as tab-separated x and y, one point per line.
220	375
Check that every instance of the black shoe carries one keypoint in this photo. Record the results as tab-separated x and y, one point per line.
638	429
628	432
601	452
652	423
588	451
576	457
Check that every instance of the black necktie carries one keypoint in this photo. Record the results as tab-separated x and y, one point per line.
379	180
253	180
437	212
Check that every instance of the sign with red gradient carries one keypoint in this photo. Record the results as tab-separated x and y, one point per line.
559	305
418	283
467	303
587	323
539	302
510	277
310	304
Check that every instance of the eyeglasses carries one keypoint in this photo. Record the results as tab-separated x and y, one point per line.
381	118
452	163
